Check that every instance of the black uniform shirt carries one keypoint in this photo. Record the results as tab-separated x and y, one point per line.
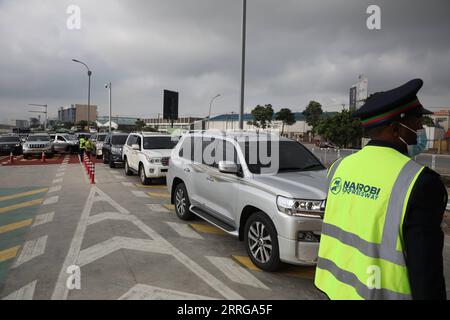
422	233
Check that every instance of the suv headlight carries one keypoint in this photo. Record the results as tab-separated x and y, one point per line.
116	150
301	208
153	160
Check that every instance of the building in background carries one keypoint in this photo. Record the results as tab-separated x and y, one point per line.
76	113
164	125
127	124
442	119
34	122
20	124
359	93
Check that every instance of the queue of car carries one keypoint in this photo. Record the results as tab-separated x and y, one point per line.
276	210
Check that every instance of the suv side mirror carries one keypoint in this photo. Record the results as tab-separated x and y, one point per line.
228	167
135	147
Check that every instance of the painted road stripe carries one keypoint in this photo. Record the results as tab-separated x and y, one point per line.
43	219
159	195
24	293
184	230
119	177
51	200
139	194
300	272
146	292
9	253
54	189
15	225
21	205
170	207
157	208
205	228
139	185
23	194
236	273
31	249
59	180
127	184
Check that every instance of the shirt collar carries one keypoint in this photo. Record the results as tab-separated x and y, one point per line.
381	143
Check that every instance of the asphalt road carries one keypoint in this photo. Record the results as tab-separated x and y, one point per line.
61	238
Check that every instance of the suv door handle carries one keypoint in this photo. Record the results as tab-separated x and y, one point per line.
209	178
187	170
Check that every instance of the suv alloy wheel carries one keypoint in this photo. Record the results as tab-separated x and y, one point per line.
182	203
143	176
261	242
126	167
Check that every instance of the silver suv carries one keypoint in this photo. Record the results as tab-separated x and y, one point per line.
267	190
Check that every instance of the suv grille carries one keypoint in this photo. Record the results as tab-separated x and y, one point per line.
165	161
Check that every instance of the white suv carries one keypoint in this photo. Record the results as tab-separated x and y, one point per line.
275	204
148	154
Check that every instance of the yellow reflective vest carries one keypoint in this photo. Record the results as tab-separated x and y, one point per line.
361	254
82	143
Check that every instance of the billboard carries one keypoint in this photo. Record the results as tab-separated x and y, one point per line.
170	106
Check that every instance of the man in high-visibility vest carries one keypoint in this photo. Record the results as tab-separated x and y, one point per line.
82	147
382	235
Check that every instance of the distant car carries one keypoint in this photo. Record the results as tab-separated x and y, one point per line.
37	144
97	140
10	144
327	145
112	148
63	142
148	155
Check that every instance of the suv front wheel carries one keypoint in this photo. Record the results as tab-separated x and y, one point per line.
143	176
182	203
261	242
126	167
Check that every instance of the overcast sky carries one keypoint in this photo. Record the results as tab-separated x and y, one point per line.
297	51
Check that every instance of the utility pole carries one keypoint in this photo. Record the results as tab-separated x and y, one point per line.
44	112
244	32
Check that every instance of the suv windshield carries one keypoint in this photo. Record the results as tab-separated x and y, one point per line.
119	140
159	143
38	138
292	157
101	137
10	139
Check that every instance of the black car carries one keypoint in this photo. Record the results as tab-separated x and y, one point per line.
10	144
112	148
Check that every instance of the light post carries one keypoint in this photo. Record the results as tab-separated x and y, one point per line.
210	106
109	86
244	31
44	112
89	90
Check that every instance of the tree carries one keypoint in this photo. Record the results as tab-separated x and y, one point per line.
313	114
149	129
286	116
340	129
139	125
262	116
82	124
428	121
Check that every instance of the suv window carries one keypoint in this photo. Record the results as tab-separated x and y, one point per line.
61	138
131	140
107	139
119	139
187	149
209	152
159	143
9	139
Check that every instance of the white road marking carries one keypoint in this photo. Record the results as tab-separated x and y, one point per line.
24	293
61	291
57	181
51	200
43	219
236	273
31	249
139	194
157	208
146	292
109	246
128	184
60	174
107	216
54	189
184	230
119	177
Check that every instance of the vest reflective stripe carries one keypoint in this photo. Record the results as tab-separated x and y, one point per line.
387	249
353	281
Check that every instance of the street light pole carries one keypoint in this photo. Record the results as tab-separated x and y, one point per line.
109	86
89	90
244	32
210	106
45	112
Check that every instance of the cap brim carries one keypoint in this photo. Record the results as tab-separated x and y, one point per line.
424	111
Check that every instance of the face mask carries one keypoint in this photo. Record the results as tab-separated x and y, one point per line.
416	149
